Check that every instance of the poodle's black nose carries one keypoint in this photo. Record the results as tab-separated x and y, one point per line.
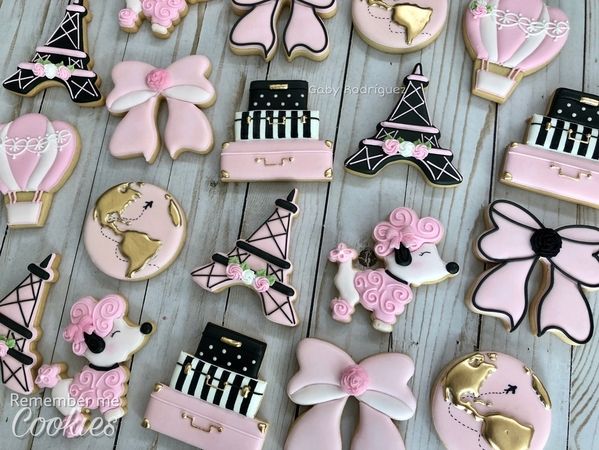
452	268
146	328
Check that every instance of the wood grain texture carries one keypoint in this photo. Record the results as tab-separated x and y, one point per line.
436	326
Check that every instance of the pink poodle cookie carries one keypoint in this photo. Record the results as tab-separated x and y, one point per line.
21	312
37	156
305	34
261	264
62	61
328	377
395	26
101	332
515	242
491	401
510	39
407	246
135	231
138	91
164	15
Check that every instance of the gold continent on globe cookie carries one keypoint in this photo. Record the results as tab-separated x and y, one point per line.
135	231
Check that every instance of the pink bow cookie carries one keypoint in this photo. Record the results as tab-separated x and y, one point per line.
328	376
138	90
515	243
305	34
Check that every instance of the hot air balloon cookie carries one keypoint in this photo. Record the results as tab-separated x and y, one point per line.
397	26
135	231
510	39
37	156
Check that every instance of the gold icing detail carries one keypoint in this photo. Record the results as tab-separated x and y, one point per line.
328	144
413	17
157	387
507	176
278	87
328	173
589	101
231	342
225	145
263	427
146	424
514	145
173	211
187	369
465	379
138	248
224	175
539	388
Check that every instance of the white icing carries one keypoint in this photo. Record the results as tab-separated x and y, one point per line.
554	29
344	281
62	399
128	101
159	29
488	34
5	173
426	266
189	93
135	5
494	84
120	346
530	45
23	213
46	159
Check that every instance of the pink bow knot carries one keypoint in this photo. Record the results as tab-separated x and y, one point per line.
75	332
138	89
328	376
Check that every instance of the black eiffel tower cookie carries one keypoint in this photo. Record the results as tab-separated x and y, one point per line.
62	61
409	137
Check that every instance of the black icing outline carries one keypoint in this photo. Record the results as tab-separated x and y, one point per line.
273	27
290	51
541	295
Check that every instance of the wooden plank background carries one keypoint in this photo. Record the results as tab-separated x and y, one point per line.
436	327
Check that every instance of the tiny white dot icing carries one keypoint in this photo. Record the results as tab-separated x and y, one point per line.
583	108
228	364
559	111
262	96
224	351
245	369
210	347
276	96
569	104
253	361
201	353
214	359
574	114
288	95
238	356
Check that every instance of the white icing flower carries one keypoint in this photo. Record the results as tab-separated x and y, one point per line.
248	276
406	148
50	71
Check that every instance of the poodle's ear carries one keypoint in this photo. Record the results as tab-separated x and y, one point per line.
403	257
94	342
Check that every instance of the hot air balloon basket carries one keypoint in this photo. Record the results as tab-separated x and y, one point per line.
29	210
494	82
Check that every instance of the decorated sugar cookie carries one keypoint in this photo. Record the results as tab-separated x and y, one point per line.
260	263
139	88
407	246
21	312
305	33
37	156
328	377
397	26
62	61
135	231
510	39
491	401
514	243
407	136
101	332
164	15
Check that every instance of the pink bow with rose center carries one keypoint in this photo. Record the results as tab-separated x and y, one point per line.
326	379
138	88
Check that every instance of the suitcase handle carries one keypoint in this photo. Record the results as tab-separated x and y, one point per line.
244	391
281	163
187	416
582	141
277	121
581	175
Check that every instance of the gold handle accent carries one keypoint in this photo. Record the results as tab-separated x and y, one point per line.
276	120
208	382
589	101
579	177
582	141
231	342
281	163
191	419
278	87
245	391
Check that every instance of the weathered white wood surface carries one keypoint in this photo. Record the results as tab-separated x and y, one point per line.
436	327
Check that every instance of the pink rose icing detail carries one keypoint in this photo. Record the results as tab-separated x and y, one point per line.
63	73
48	376
73	426
341	310
3	349
157	79
354	380
391	146
38	70
420	152
480	8
342	253
261	284
234	271
127	18
163	12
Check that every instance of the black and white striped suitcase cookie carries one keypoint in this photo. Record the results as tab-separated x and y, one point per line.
217	385
270	124
563	136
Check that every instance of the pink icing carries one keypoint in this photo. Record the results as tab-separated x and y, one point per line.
261	284
420	152
342	253
404	227
91	316
341	310
101	390
3	349
234	271
391	146
38	70
48	376
354	380
73	425
163	12
63	73
127	18
382	294
137	88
